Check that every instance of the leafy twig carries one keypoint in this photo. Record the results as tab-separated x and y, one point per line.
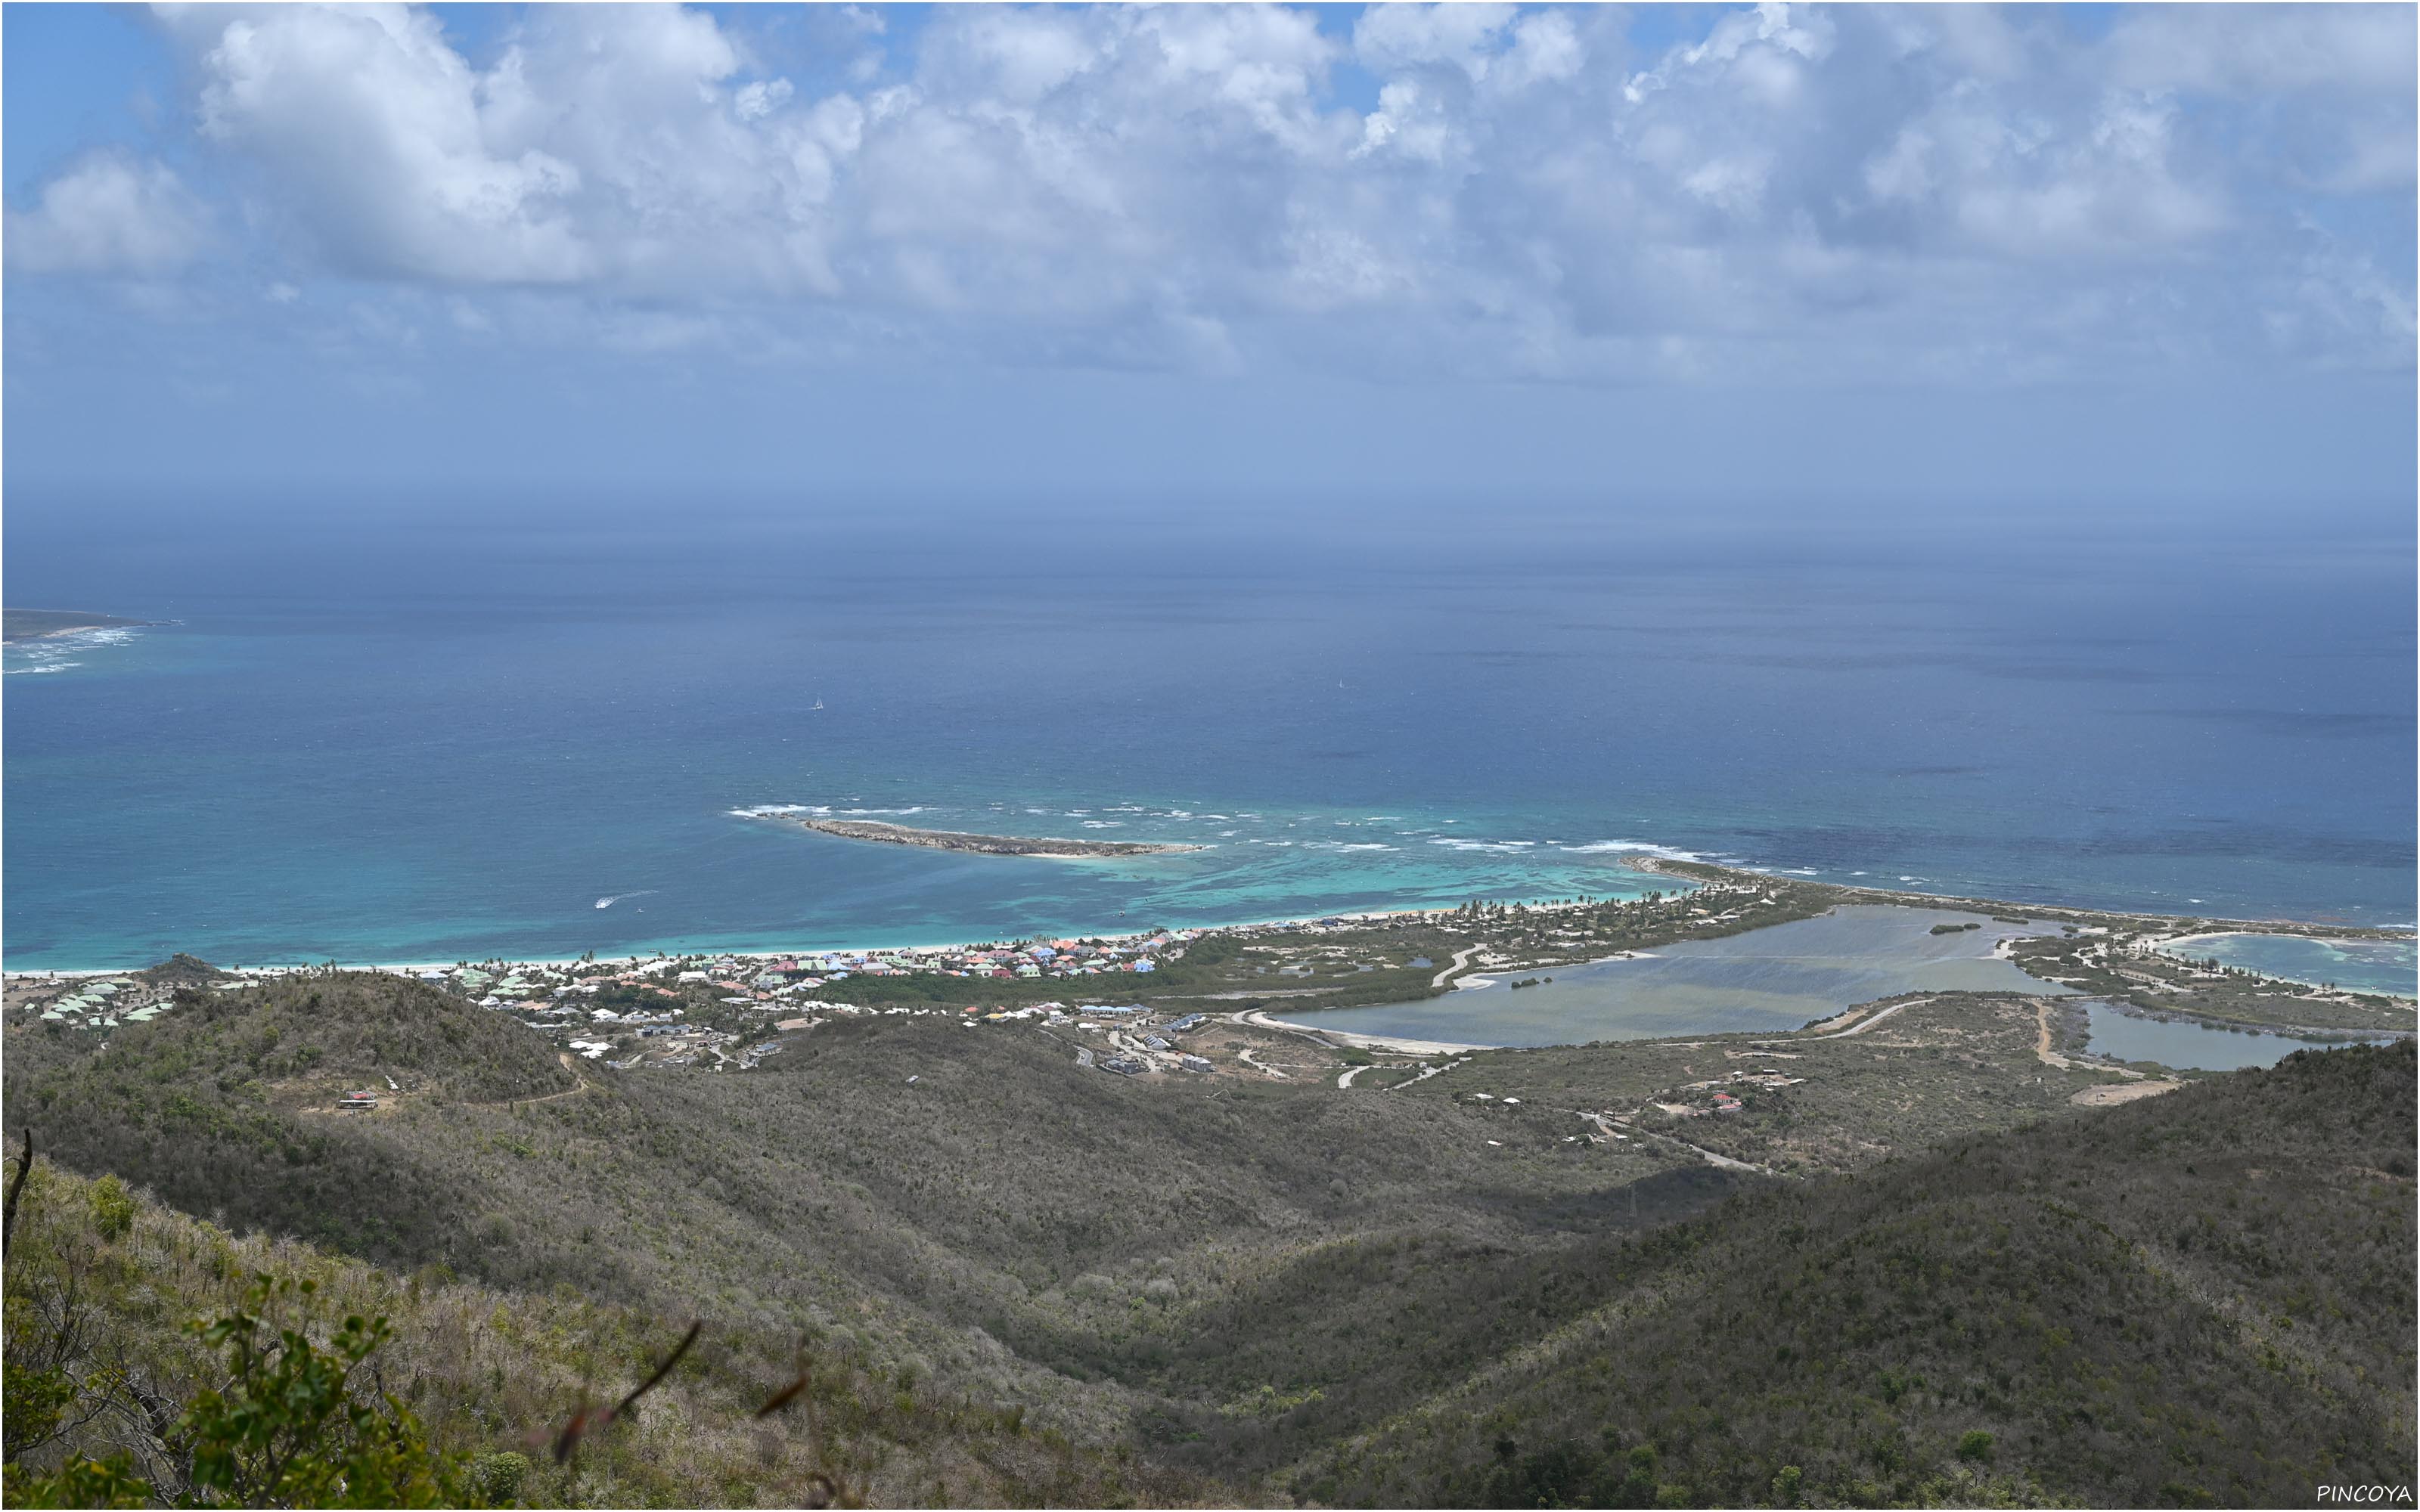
661	1371
586	1419
566	1441
787	1395
17	1185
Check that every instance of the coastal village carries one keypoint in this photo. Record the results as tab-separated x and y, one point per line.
715	1011
1101	997
693	997
1169	1003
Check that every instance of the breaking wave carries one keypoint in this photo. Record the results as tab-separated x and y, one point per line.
1634	847
54	653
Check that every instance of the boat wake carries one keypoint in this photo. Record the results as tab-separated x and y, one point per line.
608	902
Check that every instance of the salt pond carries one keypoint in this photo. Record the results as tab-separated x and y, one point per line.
1767	981
2363	965
2192	1047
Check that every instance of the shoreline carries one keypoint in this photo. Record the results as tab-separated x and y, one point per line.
2337	939
1363	917
1661	866
1259	1018
1643	863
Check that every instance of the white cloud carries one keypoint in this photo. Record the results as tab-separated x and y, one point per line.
2339	310
2260	51
1546	49
1532	194
1493	47
755	101
1996	180
108	213
1409	121
1761	50
377	136
1465	36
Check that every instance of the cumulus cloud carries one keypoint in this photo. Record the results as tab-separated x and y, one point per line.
377	143
108	213
1464	36
1531	193
2264	51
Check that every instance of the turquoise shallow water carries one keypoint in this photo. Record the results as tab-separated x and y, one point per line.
447	727
2190	1047
1768	980
2363	965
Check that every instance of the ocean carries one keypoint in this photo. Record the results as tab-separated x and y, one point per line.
393	730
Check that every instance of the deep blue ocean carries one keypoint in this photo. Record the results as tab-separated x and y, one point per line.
431	729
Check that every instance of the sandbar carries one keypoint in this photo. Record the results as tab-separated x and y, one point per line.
951	840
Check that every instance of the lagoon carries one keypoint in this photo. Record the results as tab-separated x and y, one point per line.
2362	965
2193	1046
1769	980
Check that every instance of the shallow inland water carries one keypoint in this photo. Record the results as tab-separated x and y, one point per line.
1767	981
2362	965
2193	1046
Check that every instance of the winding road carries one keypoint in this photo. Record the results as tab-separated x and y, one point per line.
1869	1021
1246	1057
569	1065
1426	1072
1460	956
1726	1161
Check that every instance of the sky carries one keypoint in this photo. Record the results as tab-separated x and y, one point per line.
1955	255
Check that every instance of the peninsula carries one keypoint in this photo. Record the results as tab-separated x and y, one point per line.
34	624
950	840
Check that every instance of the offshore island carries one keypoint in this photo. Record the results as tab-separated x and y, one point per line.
951	840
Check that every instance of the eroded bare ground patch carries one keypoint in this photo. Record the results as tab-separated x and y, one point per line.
2115	1093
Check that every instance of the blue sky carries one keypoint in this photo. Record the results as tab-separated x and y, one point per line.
1948	254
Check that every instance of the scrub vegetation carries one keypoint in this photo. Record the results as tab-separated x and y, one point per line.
1004	1277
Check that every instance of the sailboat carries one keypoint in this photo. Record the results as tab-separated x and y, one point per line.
819	704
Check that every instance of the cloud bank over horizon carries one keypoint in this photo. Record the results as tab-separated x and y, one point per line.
1701	199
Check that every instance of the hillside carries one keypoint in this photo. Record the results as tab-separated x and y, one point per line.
2133	1309
225	1105
1263	1287
496	1375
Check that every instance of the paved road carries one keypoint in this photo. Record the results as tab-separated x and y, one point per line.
1424	1075
1460	956
1869	1020
1255	1018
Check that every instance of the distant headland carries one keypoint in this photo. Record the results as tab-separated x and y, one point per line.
950	840
34	624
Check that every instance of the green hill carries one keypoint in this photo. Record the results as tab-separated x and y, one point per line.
98	1286
2203	1297
1249	1288
226	1105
